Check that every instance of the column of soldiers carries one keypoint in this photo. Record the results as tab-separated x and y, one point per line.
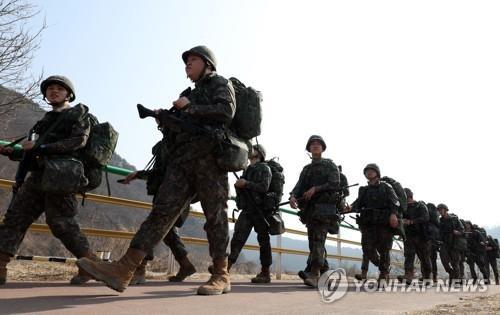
186	171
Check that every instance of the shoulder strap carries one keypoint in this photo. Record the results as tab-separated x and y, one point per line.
49	130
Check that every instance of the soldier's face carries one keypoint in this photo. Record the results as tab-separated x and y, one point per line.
194	67
56	94
442	212
370	174
316	147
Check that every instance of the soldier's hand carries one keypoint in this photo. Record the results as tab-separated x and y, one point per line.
293	202
455	232
489	248
130	177
28	145
347	208
181	102
407	222
240	183
308	194
157	111
6	150
393	221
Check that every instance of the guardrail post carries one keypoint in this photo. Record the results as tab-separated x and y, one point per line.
339	247
278	264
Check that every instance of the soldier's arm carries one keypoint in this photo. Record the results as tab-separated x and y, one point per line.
423	215
392	200
221	109
333	181
298	190
264	180
16	155
356	205
79	135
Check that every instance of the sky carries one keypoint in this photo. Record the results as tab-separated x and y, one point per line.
410	85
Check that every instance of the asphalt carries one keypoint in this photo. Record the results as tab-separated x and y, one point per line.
161	297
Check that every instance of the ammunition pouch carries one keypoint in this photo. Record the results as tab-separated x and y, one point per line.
326	213
62	175
233	153
276	223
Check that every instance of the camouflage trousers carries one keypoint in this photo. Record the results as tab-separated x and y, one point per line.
316	235
414	245
182	181
433	255
450	258
60	211
480	260
246	221
325	267
174	243
376	242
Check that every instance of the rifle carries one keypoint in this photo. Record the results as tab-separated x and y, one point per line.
178	121
259	210
332	190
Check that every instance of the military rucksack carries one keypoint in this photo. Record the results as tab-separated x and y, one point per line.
98	151
248	116
275	191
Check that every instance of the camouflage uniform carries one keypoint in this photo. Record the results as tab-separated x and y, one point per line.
433	234
417	241
452	246
324	175
60	209
193	170
376	203
476	253
250	200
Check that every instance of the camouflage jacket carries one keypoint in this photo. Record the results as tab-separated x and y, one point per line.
417	212
258	177
212	104
322	174
70	135
446	228
476	242
380	196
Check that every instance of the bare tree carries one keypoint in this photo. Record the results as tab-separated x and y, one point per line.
18	43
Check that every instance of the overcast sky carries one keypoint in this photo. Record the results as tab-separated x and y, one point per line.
412	86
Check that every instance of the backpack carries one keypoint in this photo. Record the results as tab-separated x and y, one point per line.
248	116
275	191
98	152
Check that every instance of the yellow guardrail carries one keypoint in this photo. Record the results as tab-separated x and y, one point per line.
188	240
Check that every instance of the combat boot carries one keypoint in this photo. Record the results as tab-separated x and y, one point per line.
117	274
219	282
302	275
496	280
211	267
4	260
361	276
312	277
139	274
83	276
409	276
186	269
263	277
383	276
434	277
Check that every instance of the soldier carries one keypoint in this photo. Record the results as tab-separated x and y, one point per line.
476	252
453	242
316	195
193	170
250	194
433	231
344	194
492	253
378	205
415	220
62	133
154	177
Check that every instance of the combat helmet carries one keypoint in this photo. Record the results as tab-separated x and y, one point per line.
61	80
372	166
315	138
204	53
260	148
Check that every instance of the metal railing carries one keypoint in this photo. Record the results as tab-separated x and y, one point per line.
43	228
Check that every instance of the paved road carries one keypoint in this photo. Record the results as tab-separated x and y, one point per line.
160	297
